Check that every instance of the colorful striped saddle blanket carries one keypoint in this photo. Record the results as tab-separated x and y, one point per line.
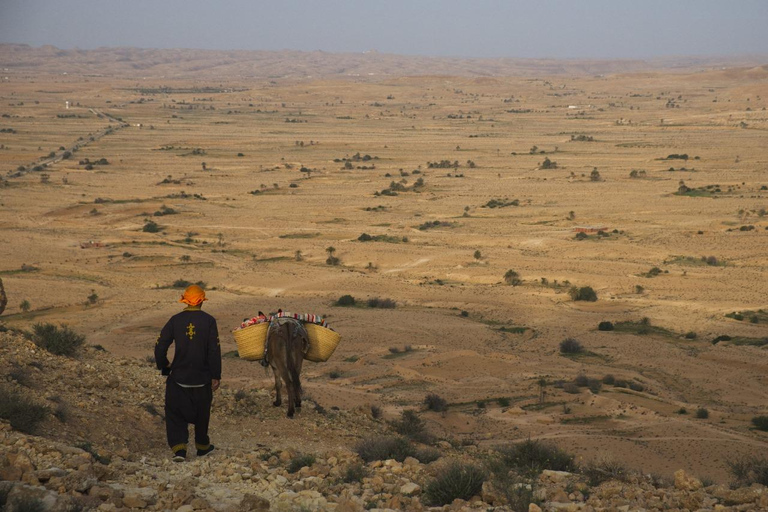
301	317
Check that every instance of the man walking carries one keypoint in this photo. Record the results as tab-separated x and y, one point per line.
193	376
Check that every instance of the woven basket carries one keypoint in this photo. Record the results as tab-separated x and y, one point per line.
251	341
322	343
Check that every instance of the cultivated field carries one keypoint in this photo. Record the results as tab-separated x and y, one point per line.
249	182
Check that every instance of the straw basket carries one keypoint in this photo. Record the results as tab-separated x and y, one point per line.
322	343
251	341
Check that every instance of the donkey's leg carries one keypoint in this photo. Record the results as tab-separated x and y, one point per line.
297	386
291	387
278	398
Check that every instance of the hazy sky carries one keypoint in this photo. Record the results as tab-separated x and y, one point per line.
467	28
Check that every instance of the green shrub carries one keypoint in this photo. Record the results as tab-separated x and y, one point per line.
411	426
345	301
690	335
376	302
23	414
435	403
531	457
636	386
375	412
760	423
585	293
605	326
151	226
355	473
457	480
702	413
300	460
384	448
504	401
61	341
609	380
682	410
570	346
428	454
512	278
748	470
604	470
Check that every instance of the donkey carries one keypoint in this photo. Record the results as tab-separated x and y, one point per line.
287	342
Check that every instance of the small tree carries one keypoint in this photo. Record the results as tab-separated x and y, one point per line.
595	175
478	255
585	293
24	306
93	298
570	346
512	278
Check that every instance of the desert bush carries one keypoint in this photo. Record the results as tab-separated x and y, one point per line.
61	341
21	376
581	380
702	413
151	226
24	306
594	385
345	301
636	386
605	326
581	236
512	278
355	473
384	448
722	337
23	414
748	470
603	470
334	374
682	410
585	293
376	302
760	423
300	460
412	426
375	412
428	454
609	380
690	335
456	480
570	346
531	457
503	401
571	388
435	403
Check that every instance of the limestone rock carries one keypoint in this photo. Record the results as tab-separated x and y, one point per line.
410	489
251	502
685	482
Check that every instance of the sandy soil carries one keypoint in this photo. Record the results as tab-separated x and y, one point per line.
244	245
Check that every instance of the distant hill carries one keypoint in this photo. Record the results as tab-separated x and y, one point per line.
212	64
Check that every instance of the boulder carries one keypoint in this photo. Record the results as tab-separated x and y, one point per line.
410	489
686	482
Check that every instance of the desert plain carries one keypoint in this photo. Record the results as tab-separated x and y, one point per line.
291	191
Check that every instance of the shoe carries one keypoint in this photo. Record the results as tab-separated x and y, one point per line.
179	455
203	449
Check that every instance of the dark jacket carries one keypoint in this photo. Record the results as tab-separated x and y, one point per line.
198	354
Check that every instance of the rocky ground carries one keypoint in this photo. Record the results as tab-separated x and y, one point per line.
101	447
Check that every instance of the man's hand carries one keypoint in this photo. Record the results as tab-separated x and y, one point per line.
215	384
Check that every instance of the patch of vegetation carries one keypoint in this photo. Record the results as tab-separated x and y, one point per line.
299	235
412	426
88	447
428	454
570	346
585	293
365	237
531	457
512	278
760	423
748	470
164	210
702	413
456	480
345	301
642	328
384	448
151	226
183	283
355	473
435	403
603	470
548	164
435	224
711	261
754	317
381	303
605	326
22	413
501	203
300	460
61	340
